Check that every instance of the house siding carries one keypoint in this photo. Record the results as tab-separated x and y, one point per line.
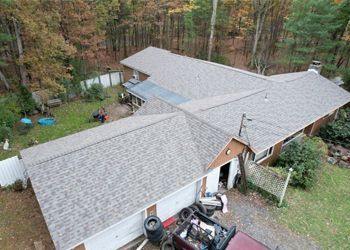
276	152
309	130
236	148
320	122
128	72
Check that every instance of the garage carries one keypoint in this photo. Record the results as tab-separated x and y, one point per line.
171	205
117	235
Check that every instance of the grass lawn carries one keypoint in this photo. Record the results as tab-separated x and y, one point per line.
21	221
71	118
322	213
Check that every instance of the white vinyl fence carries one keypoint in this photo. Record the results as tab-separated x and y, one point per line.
11	170
106	80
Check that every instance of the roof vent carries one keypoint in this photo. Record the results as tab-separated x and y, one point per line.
315	66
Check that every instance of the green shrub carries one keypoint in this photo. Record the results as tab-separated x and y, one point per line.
5	133
9	110
339	130
7	118
95	92
18	186
26	101
305	159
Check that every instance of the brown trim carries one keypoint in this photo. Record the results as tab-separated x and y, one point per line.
152	210
235	147
80	247
204	185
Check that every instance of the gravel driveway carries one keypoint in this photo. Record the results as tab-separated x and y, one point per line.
253	216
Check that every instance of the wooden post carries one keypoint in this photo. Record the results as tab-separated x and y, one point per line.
285	186
242	124
243	175
99	79
110	78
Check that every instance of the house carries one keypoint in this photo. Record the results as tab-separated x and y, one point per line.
96	187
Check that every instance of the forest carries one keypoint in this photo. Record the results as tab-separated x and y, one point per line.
54	44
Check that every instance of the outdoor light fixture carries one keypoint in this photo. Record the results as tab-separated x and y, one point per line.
228	151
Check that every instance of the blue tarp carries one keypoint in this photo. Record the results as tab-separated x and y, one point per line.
147	89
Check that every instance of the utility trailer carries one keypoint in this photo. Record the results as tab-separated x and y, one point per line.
200	232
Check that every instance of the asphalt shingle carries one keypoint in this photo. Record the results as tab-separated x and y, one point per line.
89	181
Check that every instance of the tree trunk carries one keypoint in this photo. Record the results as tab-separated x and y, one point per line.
212	28
22	68
4	80
261	9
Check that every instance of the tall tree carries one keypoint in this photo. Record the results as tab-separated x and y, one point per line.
212	28
309	27
260	7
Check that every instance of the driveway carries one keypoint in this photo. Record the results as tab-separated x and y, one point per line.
253	216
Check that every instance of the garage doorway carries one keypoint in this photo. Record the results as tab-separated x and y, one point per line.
223	179
228	174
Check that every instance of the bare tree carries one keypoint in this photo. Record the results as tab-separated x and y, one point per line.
22	68
261	8
212	28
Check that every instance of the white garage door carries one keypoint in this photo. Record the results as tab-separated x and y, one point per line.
174	203
118	235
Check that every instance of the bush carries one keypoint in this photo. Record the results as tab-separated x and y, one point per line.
5	133
305	159
18	186
95	92
9	111
339	130
26	101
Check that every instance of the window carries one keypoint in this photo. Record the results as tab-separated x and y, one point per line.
292	137
135	75
139	102
263	155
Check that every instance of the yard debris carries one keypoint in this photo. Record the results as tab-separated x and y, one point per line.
338	155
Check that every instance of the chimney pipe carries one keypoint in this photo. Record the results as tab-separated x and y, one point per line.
315	66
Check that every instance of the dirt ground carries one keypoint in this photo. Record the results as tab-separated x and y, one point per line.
21	221
117	111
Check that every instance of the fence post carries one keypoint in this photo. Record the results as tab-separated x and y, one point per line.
285	186
110	78
99	79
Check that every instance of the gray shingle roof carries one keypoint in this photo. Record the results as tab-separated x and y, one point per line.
91	180
193	78
290	107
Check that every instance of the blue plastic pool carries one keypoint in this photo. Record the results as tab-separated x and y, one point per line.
46	121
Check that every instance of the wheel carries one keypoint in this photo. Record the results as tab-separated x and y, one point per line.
185	213
210	210
157	237
152	224
167	245
194	207
201	208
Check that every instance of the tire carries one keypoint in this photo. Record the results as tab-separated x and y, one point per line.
185	213
156	238
167	245
210	210
201	208
154	229
194	207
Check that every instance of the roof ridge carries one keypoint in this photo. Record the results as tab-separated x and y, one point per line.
251	94
203	121
171	115
246	72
